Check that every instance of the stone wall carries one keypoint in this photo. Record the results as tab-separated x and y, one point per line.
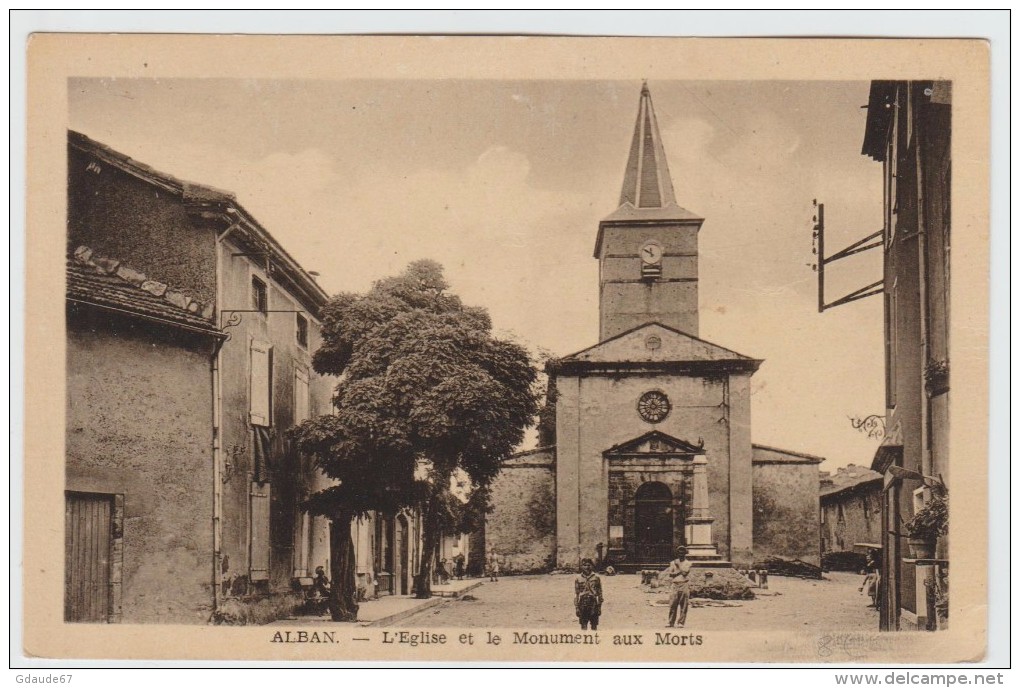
139	410
626	301
292	478
852	516
785	506
595	413
522	525
122	217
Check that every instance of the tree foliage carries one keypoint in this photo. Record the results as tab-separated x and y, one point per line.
425	390
547	412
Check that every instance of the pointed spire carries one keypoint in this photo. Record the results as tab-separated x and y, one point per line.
646	181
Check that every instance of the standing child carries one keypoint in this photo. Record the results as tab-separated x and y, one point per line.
872	578
588	596
678	572
492	564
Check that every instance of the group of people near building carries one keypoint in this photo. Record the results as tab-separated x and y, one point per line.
445	572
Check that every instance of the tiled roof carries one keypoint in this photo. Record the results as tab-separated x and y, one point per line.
204	196
628	213
646	181
673	346
647	193
846	478
91	285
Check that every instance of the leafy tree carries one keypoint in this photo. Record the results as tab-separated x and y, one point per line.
371	476
426	391
547	413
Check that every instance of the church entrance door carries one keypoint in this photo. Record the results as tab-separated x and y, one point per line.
653	523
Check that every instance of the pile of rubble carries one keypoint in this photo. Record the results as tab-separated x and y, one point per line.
795	568
706	583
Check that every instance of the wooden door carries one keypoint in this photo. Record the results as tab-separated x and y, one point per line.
402	556
88	520
653	523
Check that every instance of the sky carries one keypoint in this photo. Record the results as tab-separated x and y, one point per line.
504	183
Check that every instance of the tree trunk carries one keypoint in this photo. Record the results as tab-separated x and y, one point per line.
343	593
430	539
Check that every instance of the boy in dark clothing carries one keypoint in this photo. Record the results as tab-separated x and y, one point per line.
321	583
588	596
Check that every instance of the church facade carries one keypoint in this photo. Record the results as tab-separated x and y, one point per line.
653	441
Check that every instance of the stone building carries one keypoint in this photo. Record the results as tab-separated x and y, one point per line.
908	130
785	502
190	331
652	424
138	449
522	525
851	508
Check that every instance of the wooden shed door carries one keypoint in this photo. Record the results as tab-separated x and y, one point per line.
87	540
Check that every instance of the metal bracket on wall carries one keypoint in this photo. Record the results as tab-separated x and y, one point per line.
236	315
873	426
818	238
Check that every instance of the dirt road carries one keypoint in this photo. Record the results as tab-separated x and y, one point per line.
547	602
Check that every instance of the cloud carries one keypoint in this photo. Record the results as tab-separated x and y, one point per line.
498	235
758	292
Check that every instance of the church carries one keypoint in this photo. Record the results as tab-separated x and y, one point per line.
652	443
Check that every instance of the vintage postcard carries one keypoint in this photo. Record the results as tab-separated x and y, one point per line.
507	349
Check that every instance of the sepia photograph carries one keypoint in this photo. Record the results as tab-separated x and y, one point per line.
517	363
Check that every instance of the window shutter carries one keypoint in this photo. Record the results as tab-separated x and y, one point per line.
302	545
261	380
259	545
300	395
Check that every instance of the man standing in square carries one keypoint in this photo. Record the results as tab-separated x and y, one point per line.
678	572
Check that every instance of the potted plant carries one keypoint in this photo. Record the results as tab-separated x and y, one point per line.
936	377
927	525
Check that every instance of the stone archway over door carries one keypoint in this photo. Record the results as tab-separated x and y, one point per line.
653	523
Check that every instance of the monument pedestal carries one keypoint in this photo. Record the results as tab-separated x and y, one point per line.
701	549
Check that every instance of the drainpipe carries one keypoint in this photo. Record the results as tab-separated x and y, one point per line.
922	280
217	481
217	475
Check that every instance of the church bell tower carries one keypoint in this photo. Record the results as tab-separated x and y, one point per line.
648	248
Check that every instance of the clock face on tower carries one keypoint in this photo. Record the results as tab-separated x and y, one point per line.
651	253
654	406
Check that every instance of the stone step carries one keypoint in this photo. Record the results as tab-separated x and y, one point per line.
709	561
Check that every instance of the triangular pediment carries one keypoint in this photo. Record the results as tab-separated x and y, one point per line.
654	343
655	442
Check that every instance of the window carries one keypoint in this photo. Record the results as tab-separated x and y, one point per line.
840	518
302	543
259	296
258	544
261	392
650	272
866	507
302	330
